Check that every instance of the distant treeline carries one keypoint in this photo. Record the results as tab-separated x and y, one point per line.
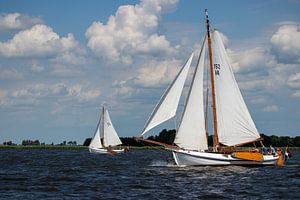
167	136
38	143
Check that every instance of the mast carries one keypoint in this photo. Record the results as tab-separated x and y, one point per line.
216	139
103	126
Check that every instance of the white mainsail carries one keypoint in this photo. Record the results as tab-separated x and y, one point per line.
111	137
191	133
235	125
96	141
167	106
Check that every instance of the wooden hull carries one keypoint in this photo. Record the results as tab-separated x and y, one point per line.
193	158
104	151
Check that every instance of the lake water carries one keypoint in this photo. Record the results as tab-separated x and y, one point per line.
140	174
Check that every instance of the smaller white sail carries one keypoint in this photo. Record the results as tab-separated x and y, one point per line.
191	132
110	135
96	141
167	106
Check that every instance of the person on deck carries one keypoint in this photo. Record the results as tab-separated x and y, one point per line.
272	150
264	150
287	154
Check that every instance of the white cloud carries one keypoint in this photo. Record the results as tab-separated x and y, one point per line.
37	68
258	99
255	84
17	21
40	94
131	32
123	90
35	91
296	93
285	43
245	60
65	71
294	83
271	108
75	57
154	74
82	94
257	69
2	93
157	73
38	41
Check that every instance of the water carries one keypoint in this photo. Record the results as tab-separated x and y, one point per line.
141	174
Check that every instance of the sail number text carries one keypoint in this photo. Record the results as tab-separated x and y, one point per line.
217	69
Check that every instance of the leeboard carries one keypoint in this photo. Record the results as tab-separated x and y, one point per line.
245	155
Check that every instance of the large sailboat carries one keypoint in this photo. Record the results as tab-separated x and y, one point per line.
109	138
232	122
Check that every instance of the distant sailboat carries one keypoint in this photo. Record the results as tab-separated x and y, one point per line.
109	138
233	125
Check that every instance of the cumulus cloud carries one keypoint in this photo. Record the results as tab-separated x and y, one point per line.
33	95
2	93
123	90
37	68
154	74
130	32
64	71
294	83
285	43
157	73
245	60
17	21
257	68
76	56
296	94
82	93
38	41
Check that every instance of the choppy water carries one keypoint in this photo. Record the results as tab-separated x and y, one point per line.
141	174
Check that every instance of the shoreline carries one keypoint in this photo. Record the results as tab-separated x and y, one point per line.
80	147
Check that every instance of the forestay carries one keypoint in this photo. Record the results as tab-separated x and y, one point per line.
167	106
235	125
111	137
191	132
96	141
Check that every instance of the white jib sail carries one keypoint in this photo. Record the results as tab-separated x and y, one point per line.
167	106
191	132
235	125
111	137
96	141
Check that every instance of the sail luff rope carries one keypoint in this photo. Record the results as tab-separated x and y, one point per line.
206	101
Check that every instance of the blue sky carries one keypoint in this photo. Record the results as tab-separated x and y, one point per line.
59	60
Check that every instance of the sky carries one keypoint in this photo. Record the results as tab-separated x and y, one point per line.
61	60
